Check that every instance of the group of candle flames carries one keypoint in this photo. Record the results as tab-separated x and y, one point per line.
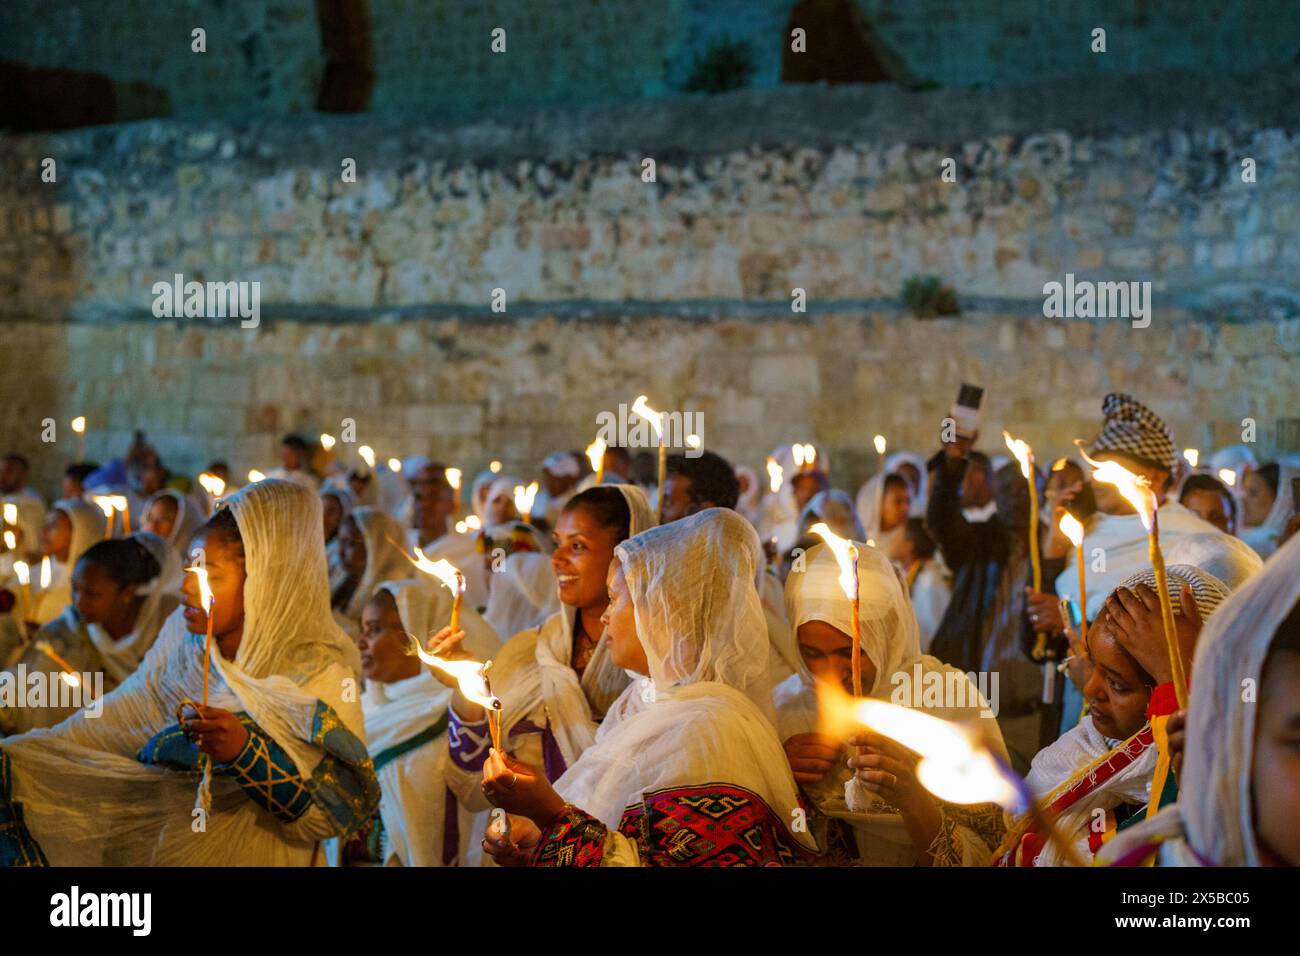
956	763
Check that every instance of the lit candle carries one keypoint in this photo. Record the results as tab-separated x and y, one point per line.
448	574
79	426
367	455
1137	491
643	409
846	556
453	479
524	499
1228	477
208	602
70	676
47	574
1025	456
254	476
395	465
10	514
24	575
775	474
11	541
123	505
596	455
213	485
494	466
881	445
1073	529
107	504
327	442
1192	456
471	679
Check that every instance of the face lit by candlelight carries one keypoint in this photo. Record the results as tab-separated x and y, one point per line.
1109	498
805	485
828	652
584	549
101	600
1257	500
161	517
1275	767
351	547
433	502
331	515
56	535
619	621
383	642
1116	690
895	503
501	508
1211	506
223	559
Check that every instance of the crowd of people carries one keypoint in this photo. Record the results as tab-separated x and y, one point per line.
637	674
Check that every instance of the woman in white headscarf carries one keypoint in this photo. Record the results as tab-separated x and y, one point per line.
368	557
1275	479
277	756
406	726
523	594
1116	759
1237	789
123	589
174	517
854	823
556	682
686	770
779	511
750	503
71	526
884	504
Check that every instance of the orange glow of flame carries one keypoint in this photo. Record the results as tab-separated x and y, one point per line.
596	453
11	541
213	485
1022	453
11	513
254	476
469	675
106	504
395	465
845	556
1228	477
442	569
880	443
774	475
453	477
650	415
23	572
804	455
47	572
79	424
205	591
1192	456
524	498
1135	489
1072	529
367	455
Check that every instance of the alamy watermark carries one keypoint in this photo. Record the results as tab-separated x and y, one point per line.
627	428
23	688
1085	299
211	300
948	688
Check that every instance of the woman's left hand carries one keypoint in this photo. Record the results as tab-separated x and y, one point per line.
518	788
216	732
888	768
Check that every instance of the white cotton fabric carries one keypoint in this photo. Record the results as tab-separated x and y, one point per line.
87	529
779	514
524	594
574	705
87	801
872	491
384	559
122	657
1264	537
700	622
1213	820
835	508
1229	559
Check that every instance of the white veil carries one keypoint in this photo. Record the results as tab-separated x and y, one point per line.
87	528
160	599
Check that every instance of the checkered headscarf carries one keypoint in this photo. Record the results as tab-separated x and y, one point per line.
1208	592
1133	429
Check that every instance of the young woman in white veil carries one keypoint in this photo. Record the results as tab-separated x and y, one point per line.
275	762
557	682
369	547
1238	787
71	526
856	820
123	590
174	517
686	770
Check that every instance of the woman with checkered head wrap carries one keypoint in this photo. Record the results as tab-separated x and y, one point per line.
1116	759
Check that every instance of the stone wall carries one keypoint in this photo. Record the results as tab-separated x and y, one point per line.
375	294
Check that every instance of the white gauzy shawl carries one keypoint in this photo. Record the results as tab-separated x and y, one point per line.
87	529
88	801
121	657
384	559
524	594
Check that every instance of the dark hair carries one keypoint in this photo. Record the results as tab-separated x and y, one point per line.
224	526
609	507
922	543
712	478
1287	636
619	454
294	441
644	468
125	560
1211	484
894	478
1270	475
20	460
980	459
80	472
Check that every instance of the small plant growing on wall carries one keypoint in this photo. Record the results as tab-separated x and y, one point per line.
928	297
725	65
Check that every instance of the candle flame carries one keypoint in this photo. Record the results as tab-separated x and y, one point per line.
213	485
79	424
804	455
596	453
119	502
395	465
1072	529
453	477
524	498
650	415
494	466
23	572
461	527
473	522
845	556
442	569
774	475
1192	456
1022	453
327	442
469	675
106	504
1136	490
11	541
367	455
70	677
11	513
694	442
1228	477
254	476
880	443
205	591
47	572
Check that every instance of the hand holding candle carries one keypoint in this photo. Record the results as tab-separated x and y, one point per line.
448	574
846	556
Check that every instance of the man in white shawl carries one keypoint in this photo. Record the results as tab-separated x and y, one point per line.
555	682
406	725
906	826
71	526
1112	768
123	590
685	770
274	763
1238	788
